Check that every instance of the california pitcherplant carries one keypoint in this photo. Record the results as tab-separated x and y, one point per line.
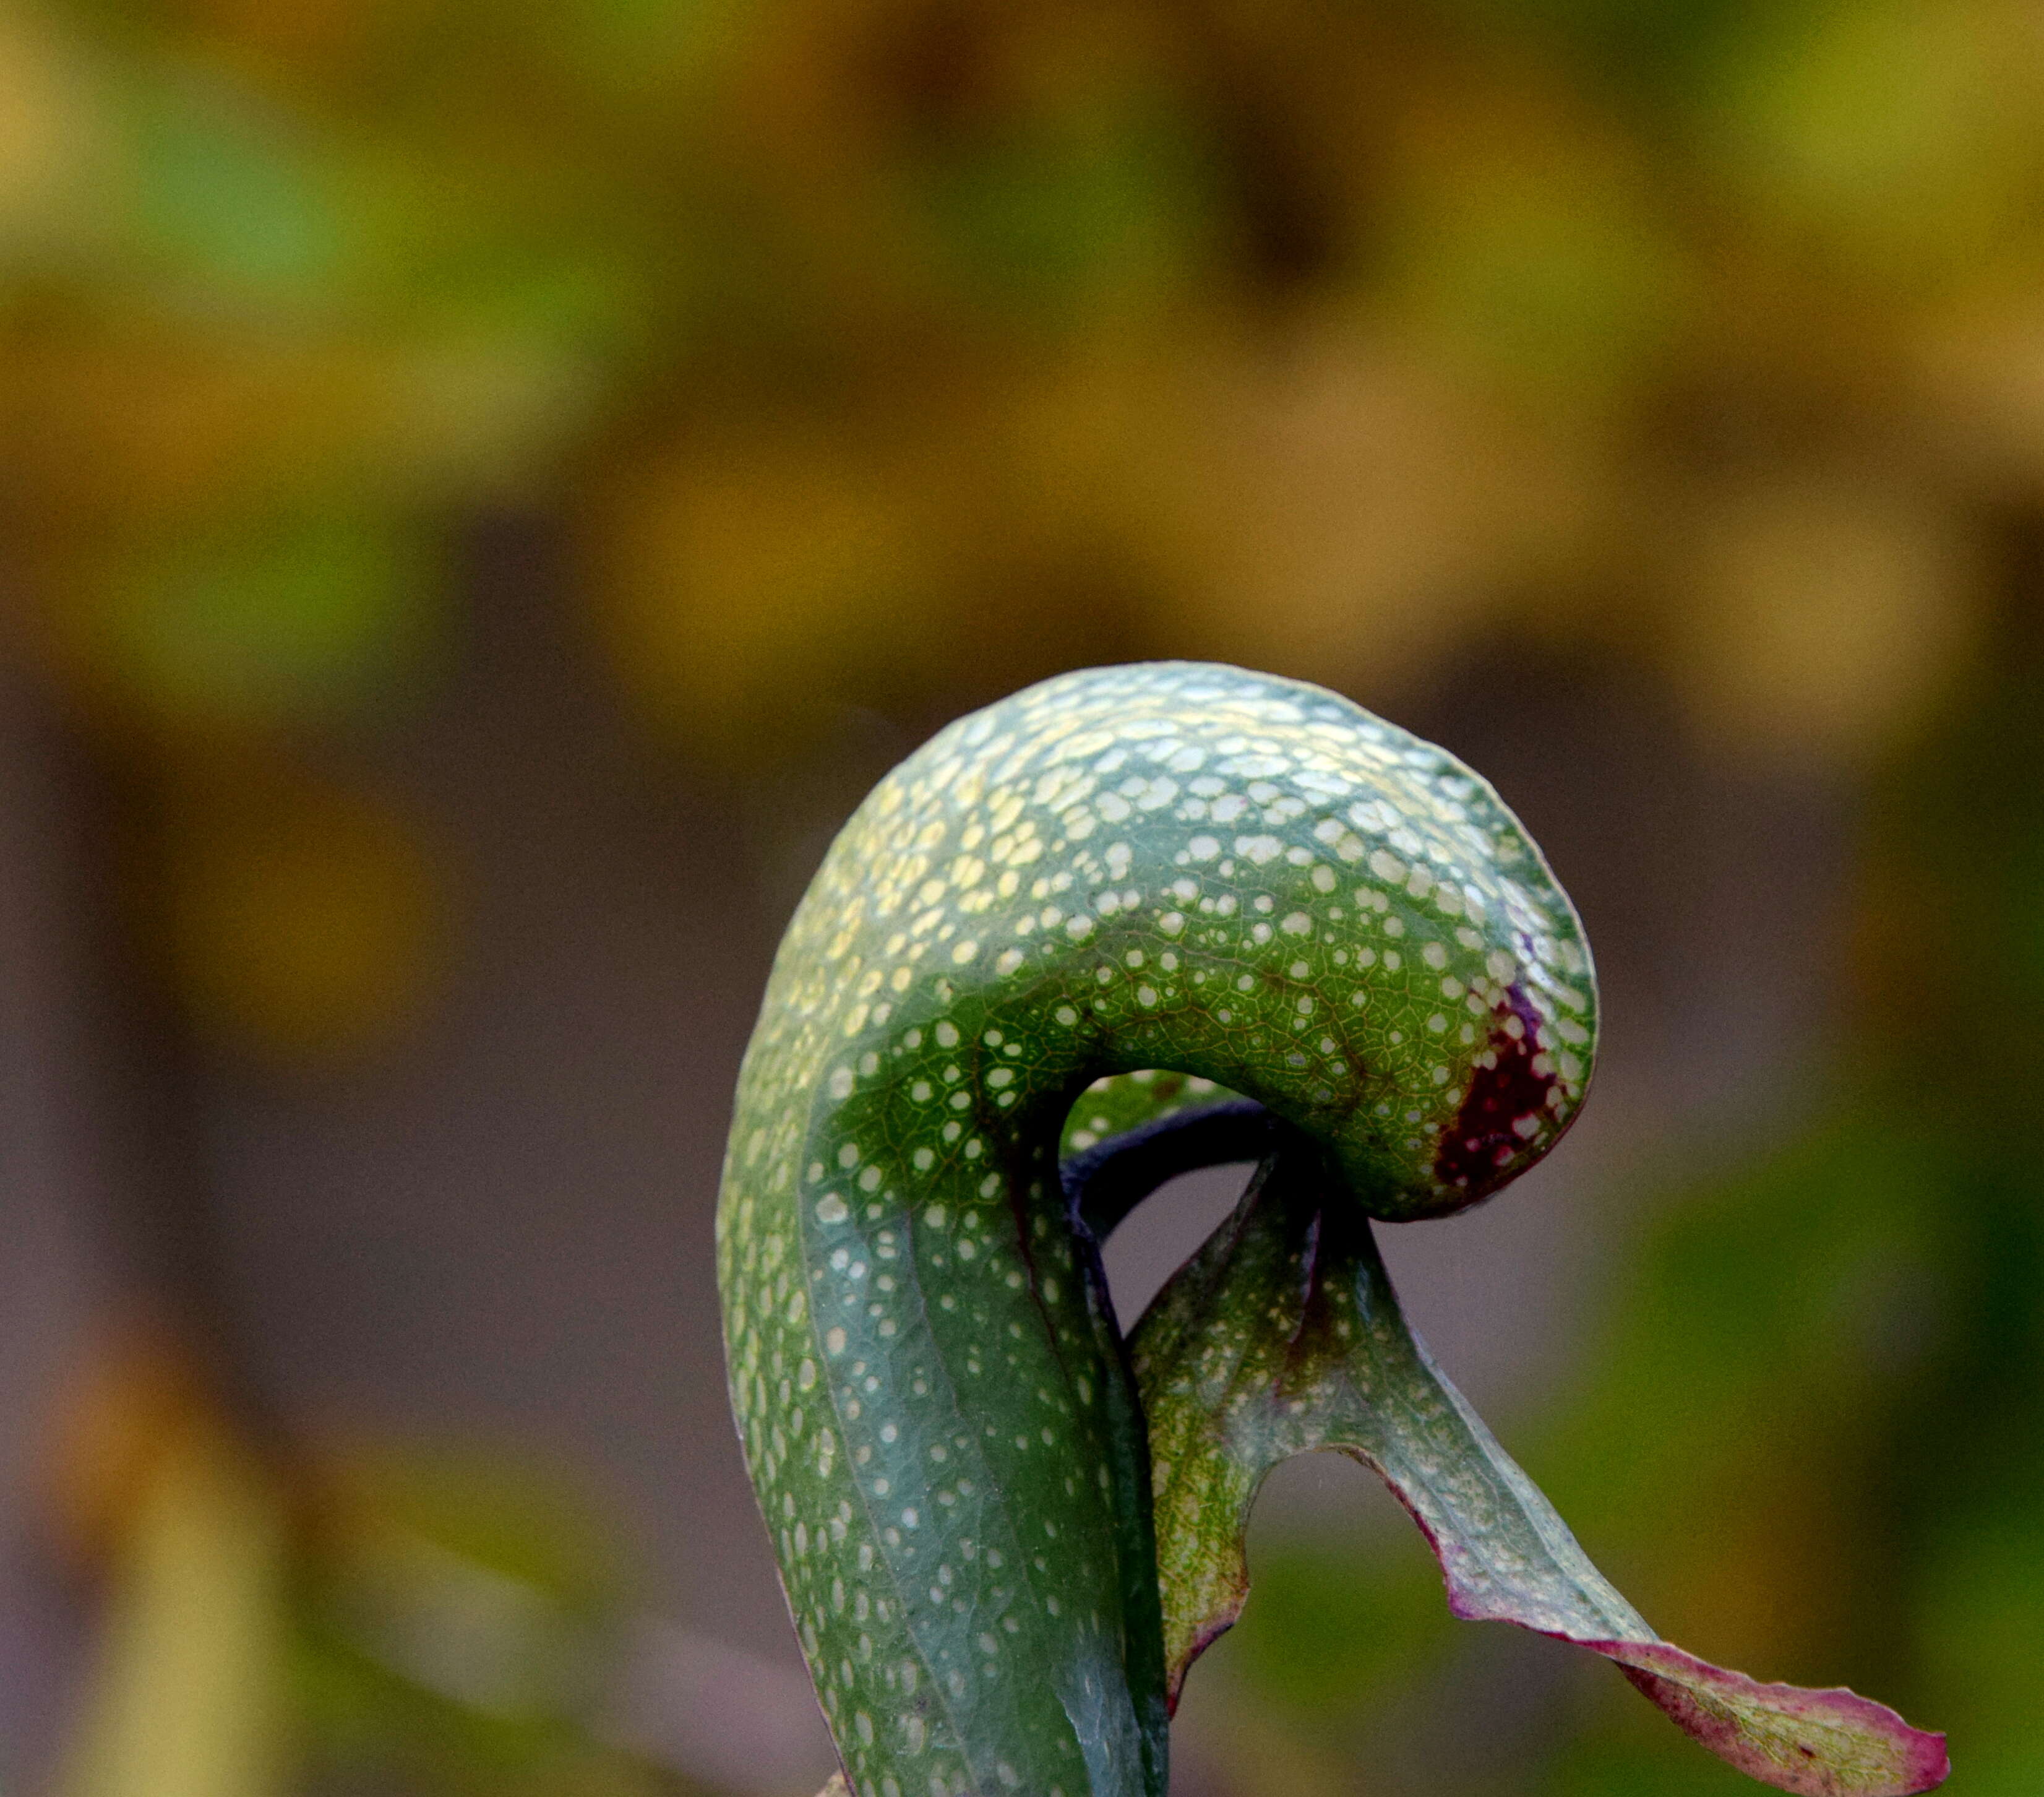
1242	918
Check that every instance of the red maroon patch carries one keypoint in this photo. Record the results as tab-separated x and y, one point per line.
1483	1142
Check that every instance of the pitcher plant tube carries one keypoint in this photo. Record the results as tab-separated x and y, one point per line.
1240	918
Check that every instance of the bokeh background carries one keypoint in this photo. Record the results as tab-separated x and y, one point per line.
485	489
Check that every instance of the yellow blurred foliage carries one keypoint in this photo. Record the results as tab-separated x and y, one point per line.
307	929
1356	517
1893	140
131	1403
894	355
49	135
1530	246
138	422
1825	615
188	1699
759	577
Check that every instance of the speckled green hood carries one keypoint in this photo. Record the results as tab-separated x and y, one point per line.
1242	878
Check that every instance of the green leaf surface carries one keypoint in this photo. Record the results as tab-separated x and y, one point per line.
1283	1336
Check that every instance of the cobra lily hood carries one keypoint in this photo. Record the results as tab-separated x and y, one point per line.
1242	918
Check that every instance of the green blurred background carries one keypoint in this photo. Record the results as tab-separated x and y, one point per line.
483	489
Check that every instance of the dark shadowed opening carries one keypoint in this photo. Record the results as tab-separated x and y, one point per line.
1162	1232
1142	1248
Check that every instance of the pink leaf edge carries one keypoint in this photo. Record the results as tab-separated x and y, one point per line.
1832	1743
1864	1748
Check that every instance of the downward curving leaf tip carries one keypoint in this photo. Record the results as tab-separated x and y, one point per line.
1817	1743
1283	1336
